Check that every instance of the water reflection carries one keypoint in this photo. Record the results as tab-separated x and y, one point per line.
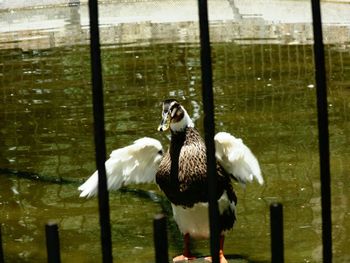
264	93
267	101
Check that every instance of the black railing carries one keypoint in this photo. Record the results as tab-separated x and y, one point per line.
209	128
160	238
52	243
323	135
100	145
2	260
276	226
160	234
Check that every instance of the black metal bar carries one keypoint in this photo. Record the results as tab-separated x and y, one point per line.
276	222
52	243
160	238
100	147
209	128
2	259
323	134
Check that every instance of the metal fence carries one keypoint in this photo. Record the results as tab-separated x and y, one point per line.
276	210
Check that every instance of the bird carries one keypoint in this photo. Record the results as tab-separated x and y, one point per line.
181	174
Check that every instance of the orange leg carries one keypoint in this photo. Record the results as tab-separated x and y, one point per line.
221	252
187	253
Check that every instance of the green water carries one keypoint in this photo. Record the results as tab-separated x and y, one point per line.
264	94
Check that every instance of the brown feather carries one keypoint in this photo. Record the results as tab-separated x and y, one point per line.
182	174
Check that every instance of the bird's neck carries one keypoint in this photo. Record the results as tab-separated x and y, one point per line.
182	124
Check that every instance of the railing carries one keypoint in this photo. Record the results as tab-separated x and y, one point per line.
1	249
209	128
100	145
160	235
52	243
323	136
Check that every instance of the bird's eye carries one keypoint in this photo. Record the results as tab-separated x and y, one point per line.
160	152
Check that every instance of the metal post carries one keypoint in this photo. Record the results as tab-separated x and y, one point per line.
323	135
52	243
2	260
160	238
209	128
100	147
276	222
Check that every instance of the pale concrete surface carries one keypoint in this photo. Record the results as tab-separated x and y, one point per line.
140	21
16	4
279	11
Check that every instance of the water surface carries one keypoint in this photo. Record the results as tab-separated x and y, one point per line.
264	94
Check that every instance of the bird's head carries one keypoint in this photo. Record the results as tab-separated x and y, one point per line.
174	116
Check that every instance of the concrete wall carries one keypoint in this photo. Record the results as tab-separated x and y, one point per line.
241	21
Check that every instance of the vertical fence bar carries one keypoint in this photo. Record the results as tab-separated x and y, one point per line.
2	258
52	243
323	135
160	238
100	147
276	222
209	127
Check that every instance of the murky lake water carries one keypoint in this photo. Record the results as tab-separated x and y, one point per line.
264	93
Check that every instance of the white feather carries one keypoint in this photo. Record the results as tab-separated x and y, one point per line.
195	221
136	163
236	158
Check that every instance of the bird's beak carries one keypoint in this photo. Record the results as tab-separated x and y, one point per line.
165	123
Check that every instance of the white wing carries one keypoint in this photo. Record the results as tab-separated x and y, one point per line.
136	163
236	158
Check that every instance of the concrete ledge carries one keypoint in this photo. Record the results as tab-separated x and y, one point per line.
134	22
20	4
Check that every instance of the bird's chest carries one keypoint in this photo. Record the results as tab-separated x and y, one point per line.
182	178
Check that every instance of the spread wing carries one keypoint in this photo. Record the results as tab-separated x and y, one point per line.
236	158
136	163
